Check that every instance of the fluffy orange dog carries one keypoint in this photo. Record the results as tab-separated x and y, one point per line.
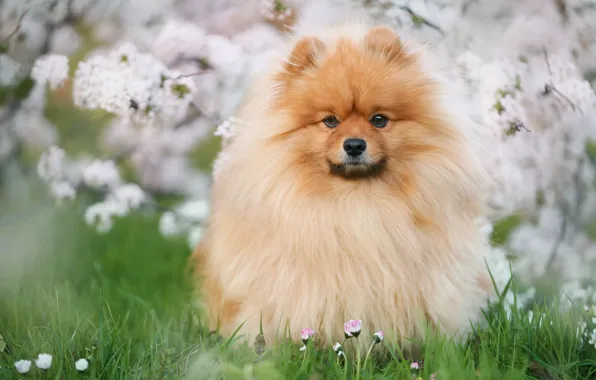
351	191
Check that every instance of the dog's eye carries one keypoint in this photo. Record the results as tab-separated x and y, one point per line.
331	121
379	121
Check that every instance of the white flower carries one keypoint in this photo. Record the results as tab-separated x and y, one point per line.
43	361
51	164
194	236
100	215
101	174
81	365
62	190
303	348
168	224
136	86
130	196
9	69
227	129
195	211
51	69
592	340
23	366
65	40
337	347
179	38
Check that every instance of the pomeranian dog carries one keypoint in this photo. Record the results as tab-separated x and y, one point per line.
350	191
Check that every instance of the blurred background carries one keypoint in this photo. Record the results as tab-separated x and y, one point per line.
113	115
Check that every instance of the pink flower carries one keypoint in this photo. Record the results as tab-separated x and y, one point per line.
352	328
378	337
414	365
306	334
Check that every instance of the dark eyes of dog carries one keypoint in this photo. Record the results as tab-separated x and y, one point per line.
379	121
331	121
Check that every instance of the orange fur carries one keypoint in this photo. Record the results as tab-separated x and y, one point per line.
292	243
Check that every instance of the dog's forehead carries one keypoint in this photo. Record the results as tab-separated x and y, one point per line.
360	84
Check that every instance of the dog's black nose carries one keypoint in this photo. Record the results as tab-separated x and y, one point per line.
354	147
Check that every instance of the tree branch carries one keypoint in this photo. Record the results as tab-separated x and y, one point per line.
419	19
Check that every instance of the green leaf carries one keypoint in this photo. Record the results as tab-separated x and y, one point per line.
181	90
502	229
2	343
590	148
24	88
3	48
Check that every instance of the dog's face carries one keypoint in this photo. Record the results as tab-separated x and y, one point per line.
358	109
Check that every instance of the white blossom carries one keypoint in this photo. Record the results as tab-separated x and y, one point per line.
9	70
135	86
168	224
65	40
23	366
43	361
81	365
119	202
100	174
51	69
194	236
51	164
62	190
101	215
226	130
130	195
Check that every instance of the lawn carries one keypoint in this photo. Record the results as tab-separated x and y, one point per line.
123	301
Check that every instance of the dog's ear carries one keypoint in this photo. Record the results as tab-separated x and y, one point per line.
304	55
383	40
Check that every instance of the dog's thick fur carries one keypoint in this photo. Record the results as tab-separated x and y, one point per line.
296	243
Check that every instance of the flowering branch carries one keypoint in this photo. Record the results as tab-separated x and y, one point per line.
4	49
419	20
549	87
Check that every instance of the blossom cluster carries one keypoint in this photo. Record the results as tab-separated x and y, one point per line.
135	86
275	10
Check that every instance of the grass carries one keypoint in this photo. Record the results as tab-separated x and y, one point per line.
123	300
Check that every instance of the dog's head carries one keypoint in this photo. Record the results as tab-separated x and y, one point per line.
357	108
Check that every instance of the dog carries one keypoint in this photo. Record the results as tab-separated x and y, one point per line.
351	191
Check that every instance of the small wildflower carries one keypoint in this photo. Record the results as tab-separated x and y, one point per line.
352	328
337	347
23	366
592	340
303	348
81	365
378	337
43	361
415	366
306	334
